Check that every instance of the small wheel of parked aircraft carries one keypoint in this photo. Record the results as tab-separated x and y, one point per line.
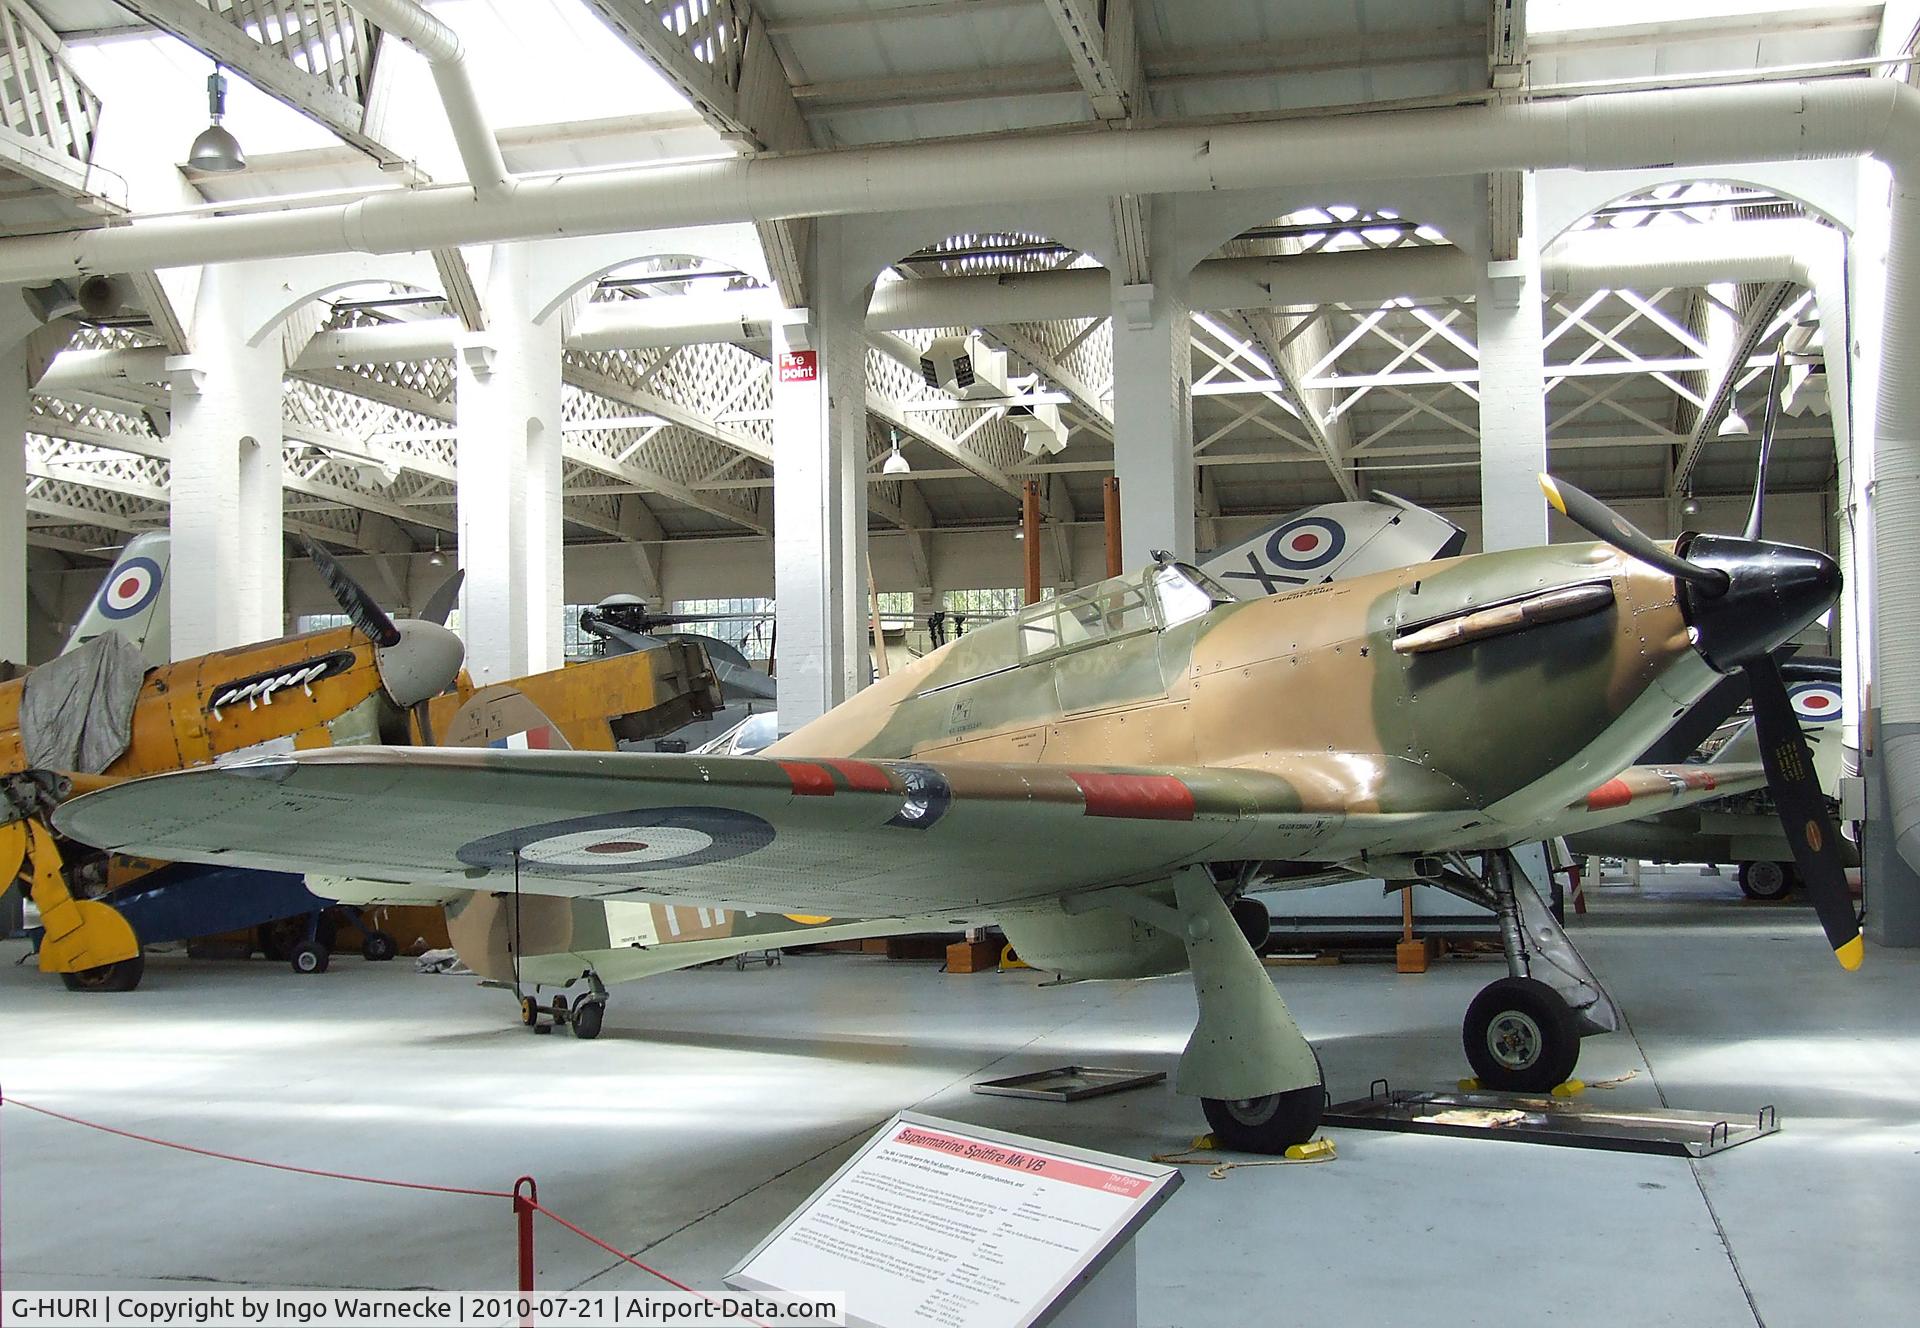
378	946
529	1012
588	1015
1520	1036
1254	921
310	957
1767	880
121	975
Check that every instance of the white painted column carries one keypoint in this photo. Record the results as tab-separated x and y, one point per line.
507	403
1153	421
13	504
1513	403
820	493
226	581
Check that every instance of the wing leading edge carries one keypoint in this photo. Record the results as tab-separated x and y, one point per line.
830	836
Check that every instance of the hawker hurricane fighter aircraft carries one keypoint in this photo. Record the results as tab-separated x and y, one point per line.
1103	773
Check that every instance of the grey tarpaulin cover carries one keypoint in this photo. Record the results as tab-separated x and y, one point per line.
77	714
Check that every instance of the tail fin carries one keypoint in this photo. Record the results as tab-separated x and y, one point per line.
502	716
132	600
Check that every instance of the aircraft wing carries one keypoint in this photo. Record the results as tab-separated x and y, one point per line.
837	837
1642	790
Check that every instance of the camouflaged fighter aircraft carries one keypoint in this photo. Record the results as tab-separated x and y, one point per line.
1104	772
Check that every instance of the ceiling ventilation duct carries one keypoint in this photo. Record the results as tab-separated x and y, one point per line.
965	367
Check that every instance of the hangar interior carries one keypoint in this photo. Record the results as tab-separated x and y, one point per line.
816	323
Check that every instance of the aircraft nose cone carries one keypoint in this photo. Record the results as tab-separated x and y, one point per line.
422	663
1773	591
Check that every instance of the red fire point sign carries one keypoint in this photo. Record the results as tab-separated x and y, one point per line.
799	366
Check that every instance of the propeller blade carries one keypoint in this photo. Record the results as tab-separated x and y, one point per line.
442	601
1802	806
362	610
423	717
1755	513
1603	523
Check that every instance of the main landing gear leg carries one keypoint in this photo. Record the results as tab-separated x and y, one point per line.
1522	1034
1258	1079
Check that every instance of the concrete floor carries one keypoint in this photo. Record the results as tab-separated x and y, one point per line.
716	1100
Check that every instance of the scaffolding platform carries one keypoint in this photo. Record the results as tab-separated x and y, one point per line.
1562	1122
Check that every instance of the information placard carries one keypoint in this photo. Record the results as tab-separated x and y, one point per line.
955	1226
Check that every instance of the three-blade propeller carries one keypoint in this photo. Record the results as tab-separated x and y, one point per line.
1797	796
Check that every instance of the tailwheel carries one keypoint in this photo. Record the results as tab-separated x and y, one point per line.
1521	1037
588	1015
378	947
123	975
1767	880
1270	1124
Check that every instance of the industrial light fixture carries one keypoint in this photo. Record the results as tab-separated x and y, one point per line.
895	464
216	149
1691	507
437	558
1733	423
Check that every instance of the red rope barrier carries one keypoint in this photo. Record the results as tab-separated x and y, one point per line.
254	1161
524	1194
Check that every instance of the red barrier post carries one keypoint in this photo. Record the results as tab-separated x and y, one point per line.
526	1200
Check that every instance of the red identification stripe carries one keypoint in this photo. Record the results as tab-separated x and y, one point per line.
862	776
809	780
1613	793
1135	797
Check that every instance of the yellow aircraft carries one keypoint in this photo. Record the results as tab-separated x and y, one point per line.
98	715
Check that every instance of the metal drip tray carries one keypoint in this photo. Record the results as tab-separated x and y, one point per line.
1070	1083
1566	1122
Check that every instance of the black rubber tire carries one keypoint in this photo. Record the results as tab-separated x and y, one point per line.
121	975
529	1012
1254	921
1270	1124
309	957
588	1016
1537	1033
1770	881
377	947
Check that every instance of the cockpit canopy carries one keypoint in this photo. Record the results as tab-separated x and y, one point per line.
1164	596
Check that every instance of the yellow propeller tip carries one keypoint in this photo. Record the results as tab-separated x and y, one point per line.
1552	490
1851	954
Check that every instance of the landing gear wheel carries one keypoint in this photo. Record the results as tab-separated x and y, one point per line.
1521	1037
378	946
310	957
529	1011
587	1018
122	975
1270	1124
1255	923
1767	880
